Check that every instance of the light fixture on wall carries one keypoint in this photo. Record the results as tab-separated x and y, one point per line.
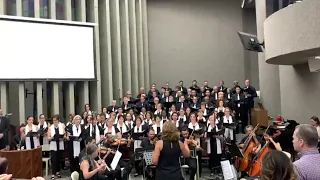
245	3
250	42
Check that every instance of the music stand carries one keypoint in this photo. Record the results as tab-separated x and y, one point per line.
147	157
250	42
235	151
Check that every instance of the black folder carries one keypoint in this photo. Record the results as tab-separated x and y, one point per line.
32	134
139	135
196	132
230	126
214	133
58	137
43	131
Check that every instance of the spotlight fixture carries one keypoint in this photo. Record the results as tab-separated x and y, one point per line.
250	42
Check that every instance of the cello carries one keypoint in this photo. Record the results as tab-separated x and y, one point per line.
244	164
255	170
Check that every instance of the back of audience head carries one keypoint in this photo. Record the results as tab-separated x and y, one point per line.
90	140
3	165
305	137
276	165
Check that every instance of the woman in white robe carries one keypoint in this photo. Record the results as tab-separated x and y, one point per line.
56	136
29	134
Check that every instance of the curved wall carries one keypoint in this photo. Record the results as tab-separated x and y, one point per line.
292	34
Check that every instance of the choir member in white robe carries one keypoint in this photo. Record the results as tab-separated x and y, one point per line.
214	144
195	126
229	134
56	135
43	125
31	142
111	129
156	125
182	117
75	139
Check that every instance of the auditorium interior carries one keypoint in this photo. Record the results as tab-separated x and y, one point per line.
124	46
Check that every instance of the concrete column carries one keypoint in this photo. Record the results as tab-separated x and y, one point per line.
70	106
116	49
141	69
145	43
82	87
21	86
104	37
95	87
38	85
268	74
133	48
55	85
125	45
3	7
4	85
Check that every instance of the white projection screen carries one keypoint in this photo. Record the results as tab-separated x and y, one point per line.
36	49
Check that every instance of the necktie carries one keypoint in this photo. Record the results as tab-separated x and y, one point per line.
137	129
129	125
181	105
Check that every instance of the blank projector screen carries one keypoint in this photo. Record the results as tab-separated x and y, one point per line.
41	50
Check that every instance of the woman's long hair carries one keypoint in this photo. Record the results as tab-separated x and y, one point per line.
170	132
90	152
277	166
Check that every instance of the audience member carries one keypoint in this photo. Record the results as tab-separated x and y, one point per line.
305	141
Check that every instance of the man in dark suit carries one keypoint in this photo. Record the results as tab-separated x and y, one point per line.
113	107
4	129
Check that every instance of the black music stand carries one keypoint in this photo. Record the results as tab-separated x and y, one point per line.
235	151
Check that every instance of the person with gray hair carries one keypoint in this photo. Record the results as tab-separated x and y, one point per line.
89	168
305	142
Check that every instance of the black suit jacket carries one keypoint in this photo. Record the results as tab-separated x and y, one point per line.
4	129
185	105
110	109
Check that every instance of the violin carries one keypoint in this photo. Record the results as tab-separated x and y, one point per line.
244	164
154	140
104	150
255	170
191	141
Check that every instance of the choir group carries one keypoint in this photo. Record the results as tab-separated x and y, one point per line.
207	117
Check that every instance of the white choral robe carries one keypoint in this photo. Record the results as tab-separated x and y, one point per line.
53	144
36	142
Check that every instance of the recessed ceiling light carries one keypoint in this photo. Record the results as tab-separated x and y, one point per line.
317	57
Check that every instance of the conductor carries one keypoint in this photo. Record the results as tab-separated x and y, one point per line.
4	129
167	153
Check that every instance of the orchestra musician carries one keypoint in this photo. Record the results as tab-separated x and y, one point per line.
249	131
56	136
269	138
89	167
30	134
148	144
190	161
167	153
214	145
108	160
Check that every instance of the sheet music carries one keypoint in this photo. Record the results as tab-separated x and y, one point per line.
76	148
115	160
227	171
137	144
